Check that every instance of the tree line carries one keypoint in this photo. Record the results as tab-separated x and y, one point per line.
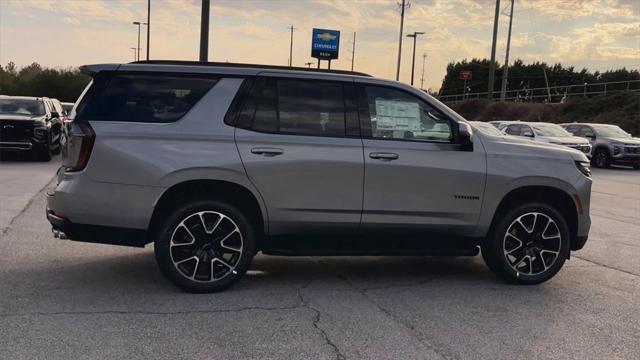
523	76
34	80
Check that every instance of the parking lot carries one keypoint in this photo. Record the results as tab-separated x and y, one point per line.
62	299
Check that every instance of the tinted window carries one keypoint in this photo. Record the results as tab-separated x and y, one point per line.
574	129
294	107
513	130
311	108
143	97
395	114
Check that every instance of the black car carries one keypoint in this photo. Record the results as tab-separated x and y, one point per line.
30	124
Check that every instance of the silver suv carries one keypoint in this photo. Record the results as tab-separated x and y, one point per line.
214	162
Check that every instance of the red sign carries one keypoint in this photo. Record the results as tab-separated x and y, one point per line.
465	75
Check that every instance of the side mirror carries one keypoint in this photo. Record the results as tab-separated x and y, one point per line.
465	136
527	134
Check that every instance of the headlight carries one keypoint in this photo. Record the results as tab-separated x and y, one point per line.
40	132
584	168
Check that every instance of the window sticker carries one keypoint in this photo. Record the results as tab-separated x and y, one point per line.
397	115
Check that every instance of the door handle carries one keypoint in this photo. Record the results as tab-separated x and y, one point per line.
383	156
267	151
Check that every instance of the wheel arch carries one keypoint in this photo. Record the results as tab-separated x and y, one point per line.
552	196
223	190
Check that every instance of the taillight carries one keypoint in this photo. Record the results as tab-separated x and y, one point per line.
77	143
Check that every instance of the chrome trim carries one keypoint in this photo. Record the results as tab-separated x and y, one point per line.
8	145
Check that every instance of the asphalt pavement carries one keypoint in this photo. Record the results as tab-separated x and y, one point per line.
68	300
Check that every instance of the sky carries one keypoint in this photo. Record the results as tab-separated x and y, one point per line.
597	34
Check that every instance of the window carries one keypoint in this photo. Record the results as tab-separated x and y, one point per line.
525	130
150	98
302	107
513	130
573	129
311	108
395	114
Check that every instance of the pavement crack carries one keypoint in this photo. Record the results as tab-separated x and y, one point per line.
316	321
415	332
605	265
138	312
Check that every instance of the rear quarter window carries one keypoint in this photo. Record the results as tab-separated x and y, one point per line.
147	98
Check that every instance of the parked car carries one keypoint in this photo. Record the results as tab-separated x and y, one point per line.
67	106
213	162
500	123
486	128
29	124
611	144
548	133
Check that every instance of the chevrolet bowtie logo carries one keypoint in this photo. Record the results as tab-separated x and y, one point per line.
326	36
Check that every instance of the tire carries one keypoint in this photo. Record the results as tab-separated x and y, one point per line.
205	232
521	247
44	153
601	159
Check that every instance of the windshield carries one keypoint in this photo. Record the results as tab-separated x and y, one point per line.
550	130
611	131
29	107
486	128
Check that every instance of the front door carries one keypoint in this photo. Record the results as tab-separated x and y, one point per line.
416	177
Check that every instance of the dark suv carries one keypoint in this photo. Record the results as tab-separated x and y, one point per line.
30	124
215	162
611	144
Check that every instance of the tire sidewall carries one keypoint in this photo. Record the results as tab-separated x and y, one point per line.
601	158
494	252
162	245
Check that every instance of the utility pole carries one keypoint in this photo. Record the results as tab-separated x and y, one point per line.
492	66
291	46
403	6
424	58
353	50
546	82
138	24
204	31
505	73
413	58
148	26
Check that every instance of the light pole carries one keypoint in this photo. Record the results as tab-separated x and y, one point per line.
404	5
413	59
492	66
139	23
148	26
424	59
134	53
204	31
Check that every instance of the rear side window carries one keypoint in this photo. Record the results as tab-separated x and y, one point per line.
291	106
147	98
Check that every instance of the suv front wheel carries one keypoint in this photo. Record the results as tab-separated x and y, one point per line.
529	245
205	246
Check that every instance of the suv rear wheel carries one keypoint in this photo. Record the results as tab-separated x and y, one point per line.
205	246
529	244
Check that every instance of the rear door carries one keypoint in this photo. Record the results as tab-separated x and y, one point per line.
298	142
416	177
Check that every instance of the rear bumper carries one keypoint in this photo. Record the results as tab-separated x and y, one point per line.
64	229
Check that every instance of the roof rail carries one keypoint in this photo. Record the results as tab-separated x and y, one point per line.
240	65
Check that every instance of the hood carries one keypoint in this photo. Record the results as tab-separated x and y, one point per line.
563	140
525	147
626	141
